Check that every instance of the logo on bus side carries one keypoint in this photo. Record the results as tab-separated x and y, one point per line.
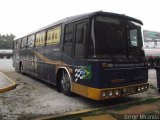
82	73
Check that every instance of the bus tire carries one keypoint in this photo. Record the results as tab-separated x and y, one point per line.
65	83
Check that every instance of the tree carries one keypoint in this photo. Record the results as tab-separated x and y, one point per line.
6	41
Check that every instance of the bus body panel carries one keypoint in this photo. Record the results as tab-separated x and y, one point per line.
111	77
52	59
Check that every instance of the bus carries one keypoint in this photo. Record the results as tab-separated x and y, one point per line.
97	55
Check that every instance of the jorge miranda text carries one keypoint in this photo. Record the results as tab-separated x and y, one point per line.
142	117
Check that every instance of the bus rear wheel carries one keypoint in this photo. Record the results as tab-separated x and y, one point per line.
65	83
21	68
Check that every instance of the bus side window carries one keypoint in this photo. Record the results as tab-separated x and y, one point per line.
23	42
68	39
49	37
19	44
53	35
15	44
68	34
37	40
30	43
81	30
133	38
40	39
56	35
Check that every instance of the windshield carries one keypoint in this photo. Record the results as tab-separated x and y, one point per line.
114	38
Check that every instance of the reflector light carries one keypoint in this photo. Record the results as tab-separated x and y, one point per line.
110	93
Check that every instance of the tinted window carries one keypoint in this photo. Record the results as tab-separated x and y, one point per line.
18	44
68	34
15	44
68	38
81	30
24	42
30	42
133	38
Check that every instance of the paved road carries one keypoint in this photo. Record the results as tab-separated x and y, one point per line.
33	98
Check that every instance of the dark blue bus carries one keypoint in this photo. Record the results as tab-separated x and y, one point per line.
97	55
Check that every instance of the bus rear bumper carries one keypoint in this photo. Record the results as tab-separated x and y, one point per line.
107	93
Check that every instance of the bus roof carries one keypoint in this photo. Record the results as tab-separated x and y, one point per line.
82	16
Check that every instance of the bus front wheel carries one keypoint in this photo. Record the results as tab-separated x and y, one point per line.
65	83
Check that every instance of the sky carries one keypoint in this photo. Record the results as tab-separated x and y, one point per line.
21	17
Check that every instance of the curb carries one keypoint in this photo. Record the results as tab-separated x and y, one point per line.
5	89
66	114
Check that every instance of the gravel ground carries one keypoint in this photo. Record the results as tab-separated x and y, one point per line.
33	98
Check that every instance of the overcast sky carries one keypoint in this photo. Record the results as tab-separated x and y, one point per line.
24	16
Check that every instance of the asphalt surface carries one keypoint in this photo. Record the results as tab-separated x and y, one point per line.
32	98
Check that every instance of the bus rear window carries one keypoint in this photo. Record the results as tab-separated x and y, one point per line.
133	38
